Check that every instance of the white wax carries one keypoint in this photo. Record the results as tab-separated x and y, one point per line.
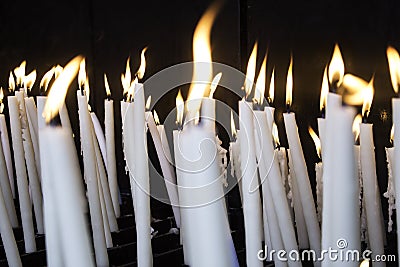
303	182
7	236
322	134
100	136
252	209
31	114
205	224
6	191
208	113
41	102
234	151
341	197
395	166
64	117
110	152
390	193
319	189
62	175
5	141
142	180
372	198
166	167
283	165
301	228
22	178
90	170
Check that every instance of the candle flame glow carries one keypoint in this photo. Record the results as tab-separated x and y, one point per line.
233	127
57	71
127	77
214	84
364	263
392	134
156	119
260	84
30	79
289	83
368	96
107	86
179	108
394	67
324	90
251	71
202	68
131	90
148	103
82	74
354	89
11	82
336	68
87	91
356	126
316	140
1	100
142	67
59	88
271	94
20	73
44	82
275	134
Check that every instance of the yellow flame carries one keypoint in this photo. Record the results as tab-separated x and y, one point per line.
214	84
58	90
356	126
142	67
148	103
394	67
275	134
260	84
20	73
179	108
131	90
107	86
202	68
233	127
289	83
271	94
44	82
364	263
156	119
251	71
57	71
11	82
30	79
368	96
87	88
354	89
316	140
392	134
336	67
127	77
82	74
324	90
1	100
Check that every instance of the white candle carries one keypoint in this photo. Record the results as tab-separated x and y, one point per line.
166	167
34	180
234	152
22	178
31	114
250	186
7	152
303	182
100	136
110	152
390	192
64	117
319	186
372	199
90	170
361	202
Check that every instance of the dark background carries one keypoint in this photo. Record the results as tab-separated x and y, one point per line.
46	33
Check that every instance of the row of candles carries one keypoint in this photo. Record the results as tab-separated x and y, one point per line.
42	141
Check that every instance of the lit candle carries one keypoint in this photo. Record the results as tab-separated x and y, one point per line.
318	172
101	140
110	149
234	153
300	170
62	179
90	172
390	193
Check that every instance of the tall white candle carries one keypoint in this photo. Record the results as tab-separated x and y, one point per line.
64	117
5	141
22	178
31	114
319	186
390	192
234	151
90	170
250	186
99	135
368	168
110	152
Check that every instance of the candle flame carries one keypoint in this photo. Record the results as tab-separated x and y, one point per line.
148	103
11	82
233	127
336	68
289	83
260	84
20	73
275	134
131	90
368	96
316	140
107	86
30	79
44	82
82	74
324	90
179	108
142	67
156	119
1	100
356	126
271	94
392	134
354	89
251	71
87	92
214	84
394	67
202	68
57	71
58	90
126	78
364	263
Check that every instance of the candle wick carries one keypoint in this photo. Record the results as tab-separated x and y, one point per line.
288	107
82	91
55	121
323	112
